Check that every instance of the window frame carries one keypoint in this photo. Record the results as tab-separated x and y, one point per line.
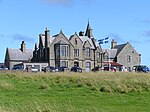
76	52
64	49
87	52
128	58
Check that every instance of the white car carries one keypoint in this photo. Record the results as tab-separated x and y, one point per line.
34	69
3	68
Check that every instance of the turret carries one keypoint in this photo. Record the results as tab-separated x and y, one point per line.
89	31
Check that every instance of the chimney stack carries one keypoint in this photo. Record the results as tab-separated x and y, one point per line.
47	45
113	44
23	46
47	38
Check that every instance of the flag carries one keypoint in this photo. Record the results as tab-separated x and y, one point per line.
103	41
106	39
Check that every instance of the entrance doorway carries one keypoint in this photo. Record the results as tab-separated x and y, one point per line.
87	66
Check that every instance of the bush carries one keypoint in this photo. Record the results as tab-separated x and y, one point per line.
43	86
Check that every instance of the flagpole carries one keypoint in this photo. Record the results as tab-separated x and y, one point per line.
109	60
104	41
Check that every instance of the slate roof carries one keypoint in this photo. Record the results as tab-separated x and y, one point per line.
116	50
111	52
18	55
119	47
55	35
86	38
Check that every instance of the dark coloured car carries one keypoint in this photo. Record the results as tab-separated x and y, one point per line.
17	68
107	68
76	69
141	68
49	69
96	69
62	69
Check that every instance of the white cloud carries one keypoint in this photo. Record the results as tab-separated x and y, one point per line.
23	38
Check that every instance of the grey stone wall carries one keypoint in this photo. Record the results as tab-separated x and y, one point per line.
128	50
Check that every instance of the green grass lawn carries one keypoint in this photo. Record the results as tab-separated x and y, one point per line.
74	92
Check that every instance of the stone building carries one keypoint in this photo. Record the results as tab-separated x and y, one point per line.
123	54
77	50
17	56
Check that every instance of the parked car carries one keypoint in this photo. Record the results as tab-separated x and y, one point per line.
33	69
62	69
76	69
141	68
3	68
107	68
17	68
97	68
49	69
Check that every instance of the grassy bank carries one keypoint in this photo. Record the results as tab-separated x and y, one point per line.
74	92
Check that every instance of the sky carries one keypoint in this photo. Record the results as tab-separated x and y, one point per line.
122	20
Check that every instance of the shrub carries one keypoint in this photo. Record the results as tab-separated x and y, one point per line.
43	86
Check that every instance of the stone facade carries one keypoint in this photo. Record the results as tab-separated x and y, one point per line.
18	56
128	56
77	50
123	54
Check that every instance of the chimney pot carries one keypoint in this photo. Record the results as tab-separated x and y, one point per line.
23	46
113	43
81	33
